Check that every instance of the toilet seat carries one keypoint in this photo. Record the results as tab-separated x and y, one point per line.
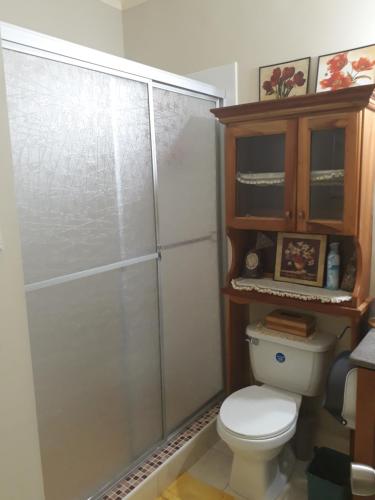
259	412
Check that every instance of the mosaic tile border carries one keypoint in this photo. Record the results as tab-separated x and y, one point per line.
156	459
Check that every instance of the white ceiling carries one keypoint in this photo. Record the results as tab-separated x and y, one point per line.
124	4
128	4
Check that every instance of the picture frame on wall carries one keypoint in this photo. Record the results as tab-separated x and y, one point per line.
348	68
282	80
300	258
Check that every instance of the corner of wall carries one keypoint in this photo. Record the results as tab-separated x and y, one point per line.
20	462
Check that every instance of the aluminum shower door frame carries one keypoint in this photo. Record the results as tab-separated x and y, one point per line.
29	42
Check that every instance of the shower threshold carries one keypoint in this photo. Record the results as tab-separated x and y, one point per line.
153	461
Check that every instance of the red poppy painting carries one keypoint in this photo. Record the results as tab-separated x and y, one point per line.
279	81
348	68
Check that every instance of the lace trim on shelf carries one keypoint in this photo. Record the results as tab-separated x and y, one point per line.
326	175
291	290
278	178
262	179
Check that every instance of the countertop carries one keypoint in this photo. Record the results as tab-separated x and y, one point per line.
364	354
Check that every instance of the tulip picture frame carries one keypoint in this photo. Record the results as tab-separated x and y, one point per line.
348	68
282	80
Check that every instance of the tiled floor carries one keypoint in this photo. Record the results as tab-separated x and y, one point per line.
214	469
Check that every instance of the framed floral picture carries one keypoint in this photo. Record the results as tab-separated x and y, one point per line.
300	258
282	80
348	68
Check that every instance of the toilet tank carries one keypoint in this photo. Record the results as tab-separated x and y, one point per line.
297	364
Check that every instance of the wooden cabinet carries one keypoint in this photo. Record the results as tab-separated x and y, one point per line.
328	173
364	443
261	175
304	164
297	174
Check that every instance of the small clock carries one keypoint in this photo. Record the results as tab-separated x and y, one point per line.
252	261
253	265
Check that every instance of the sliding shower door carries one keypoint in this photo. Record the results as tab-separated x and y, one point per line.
116	184
187	194
84	186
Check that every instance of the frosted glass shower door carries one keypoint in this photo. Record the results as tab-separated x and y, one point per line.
189	277
84	187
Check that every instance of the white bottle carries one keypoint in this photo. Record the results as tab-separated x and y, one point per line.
333	267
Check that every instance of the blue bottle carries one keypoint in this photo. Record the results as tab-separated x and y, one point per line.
333	267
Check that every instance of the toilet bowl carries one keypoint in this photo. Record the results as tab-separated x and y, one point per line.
256	423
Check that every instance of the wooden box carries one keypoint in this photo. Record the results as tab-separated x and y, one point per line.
293	323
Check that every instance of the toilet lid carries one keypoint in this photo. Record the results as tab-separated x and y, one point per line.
258	412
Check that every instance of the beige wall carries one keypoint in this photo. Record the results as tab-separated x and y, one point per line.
88	22
188	36
20	467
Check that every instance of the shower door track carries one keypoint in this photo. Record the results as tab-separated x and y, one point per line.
48	47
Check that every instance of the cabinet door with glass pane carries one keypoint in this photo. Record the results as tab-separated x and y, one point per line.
261	168
328	173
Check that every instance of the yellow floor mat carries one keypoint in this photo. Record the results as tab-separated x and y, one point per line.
186	487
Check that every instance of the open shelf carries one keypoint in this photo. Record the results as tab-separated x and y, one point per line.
348	309
292	290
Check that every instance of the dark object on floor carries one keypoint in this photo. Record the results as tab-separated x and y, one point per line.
328	475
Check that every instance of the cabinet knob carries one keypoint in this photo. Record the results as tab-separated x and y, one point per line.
288	214
301	214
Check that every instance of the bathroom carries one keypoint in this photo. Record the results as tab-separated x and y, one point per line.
120	343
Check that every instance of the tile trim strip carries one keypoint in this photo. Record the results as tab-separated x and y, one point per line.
157	458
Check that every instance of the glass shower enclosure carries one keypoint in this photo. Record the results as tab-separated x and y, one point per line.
117	182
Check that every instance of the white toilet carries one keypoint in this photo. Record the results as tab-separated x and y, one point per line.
258	421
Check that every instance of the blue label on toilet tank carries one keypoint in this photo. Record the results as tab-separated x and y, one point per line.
280	357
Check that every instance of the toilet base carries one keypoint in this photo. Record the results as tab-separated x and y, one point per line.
256	479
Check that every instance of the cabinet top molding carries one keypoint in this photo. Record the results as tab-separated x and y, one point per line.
345	99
